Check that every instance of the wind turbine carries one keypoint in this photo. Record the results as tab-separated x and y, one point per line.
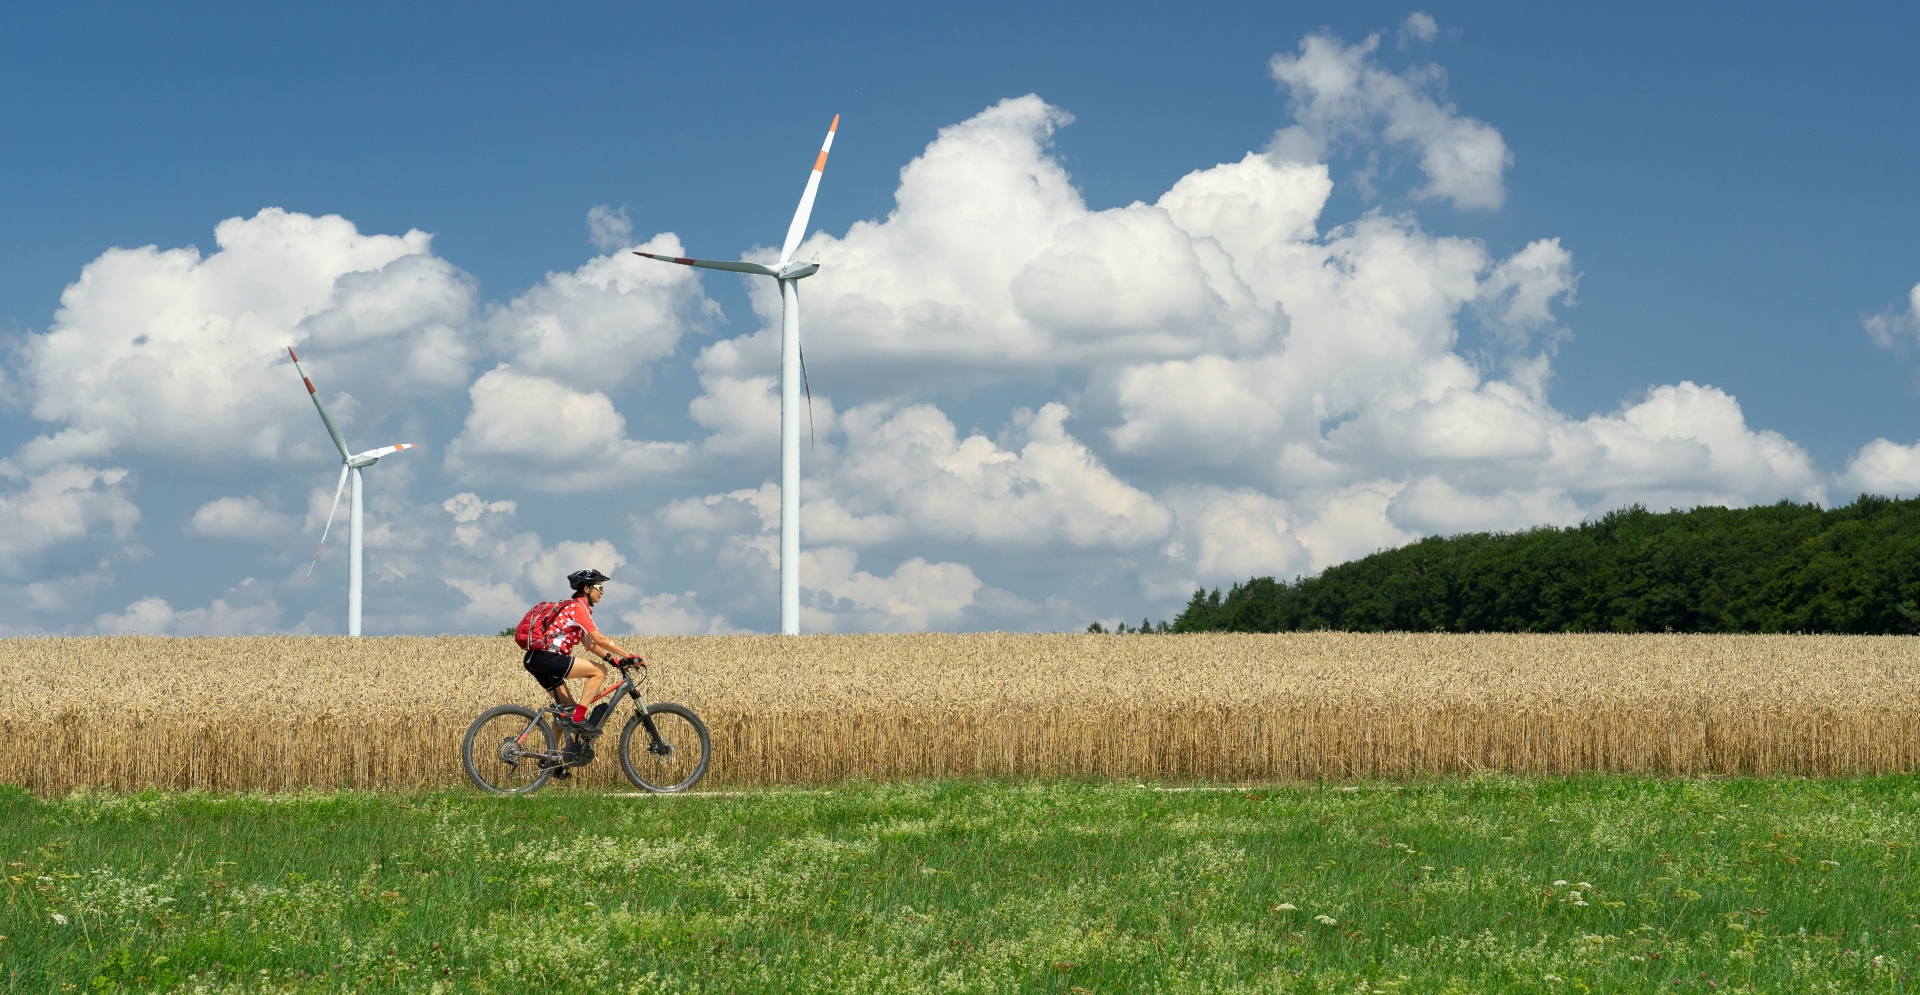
350	464
789	273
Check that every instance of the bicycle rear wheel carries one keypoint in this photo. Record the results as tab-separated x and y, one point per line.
506	749
674	762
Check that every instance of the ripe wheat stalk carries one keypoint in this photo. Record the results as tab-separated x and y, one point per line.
295	712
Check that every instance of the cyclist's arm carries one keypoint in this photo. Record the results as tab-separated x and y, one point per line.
605	647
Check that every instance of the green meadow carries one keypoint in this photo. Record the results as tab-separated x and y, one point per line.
1487	884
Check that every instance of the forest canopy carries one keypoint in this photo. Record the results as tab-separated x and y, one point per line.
1780	568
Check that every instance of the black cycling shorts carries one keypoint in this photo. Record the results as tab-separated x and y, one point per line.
550	669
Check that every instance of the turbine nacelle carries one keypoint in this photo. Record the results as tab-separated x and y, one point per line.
796	271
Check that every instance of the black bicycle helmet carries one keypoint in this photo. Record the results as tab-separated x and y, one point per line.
587	577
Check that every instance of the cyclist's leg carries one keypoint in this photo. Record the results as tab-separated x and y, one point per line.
595	674
552	671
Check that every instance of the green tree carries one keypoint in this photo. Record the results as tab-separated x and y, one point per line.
1779	568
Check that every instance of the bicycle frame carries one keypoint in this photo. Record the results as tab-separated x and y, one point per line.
628	686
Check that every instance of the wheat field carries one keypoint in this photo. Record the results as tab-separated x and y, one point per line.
294	712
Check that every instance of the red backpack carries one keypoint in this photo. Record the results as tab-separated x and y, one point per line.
536	627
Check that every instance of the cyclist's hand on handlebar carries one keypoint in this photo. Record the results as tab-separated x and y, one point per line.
634	661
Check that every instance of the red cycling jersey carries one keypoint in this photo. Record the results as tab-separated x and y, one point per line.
571	626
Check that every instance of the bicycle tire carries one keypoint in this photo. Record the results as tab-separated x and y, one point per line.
491	771
672	772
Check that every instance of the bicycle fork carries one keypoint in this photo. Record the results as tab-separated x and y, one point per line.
655	745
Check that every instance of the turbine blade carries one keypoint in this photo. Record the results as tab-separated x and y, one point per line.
798	230
338	439
374	454
713	264
342	485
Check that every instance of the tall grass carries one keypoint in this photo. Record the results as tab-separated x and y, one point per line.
286	712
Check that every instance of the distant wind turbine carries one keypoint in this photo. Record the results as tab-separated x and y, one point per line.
350	464
789	273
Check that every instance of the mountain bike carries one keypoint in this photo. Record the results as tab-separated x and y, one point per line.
515	750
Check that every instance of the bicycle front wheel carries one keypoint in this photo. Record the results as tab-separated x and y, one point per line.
674	760
507	749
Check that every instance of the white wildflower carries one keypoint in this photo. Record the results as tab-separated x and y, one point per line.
1551	977
1329	920
57	917
1583	886
1285	907
1559	884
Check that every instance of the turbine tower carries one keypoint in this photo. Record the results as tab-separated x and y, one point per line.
789	274
350	465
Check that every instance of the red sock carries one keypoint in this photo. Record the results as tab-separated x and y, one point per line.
579	713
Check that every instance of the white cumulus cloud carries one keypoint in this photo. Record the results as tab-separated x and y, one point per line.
1891	325
910	463
61	505
1419	26
168	354
1339	93
990	263
609	228
603	323
675	615
156	617
541	434
1232	535
1883	467
241	518
1518	296
500	571
917	595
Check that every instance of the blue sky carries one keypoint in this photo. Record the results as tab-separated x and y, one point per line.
1730	190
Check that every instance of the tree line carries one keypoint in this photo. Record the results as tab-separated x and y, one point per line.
1780	568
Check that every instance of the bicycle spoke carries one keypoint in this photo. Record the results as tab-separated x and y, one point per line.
508	750
672	756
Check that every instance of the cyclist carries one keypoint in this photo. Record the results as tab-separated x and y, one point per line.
573	626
